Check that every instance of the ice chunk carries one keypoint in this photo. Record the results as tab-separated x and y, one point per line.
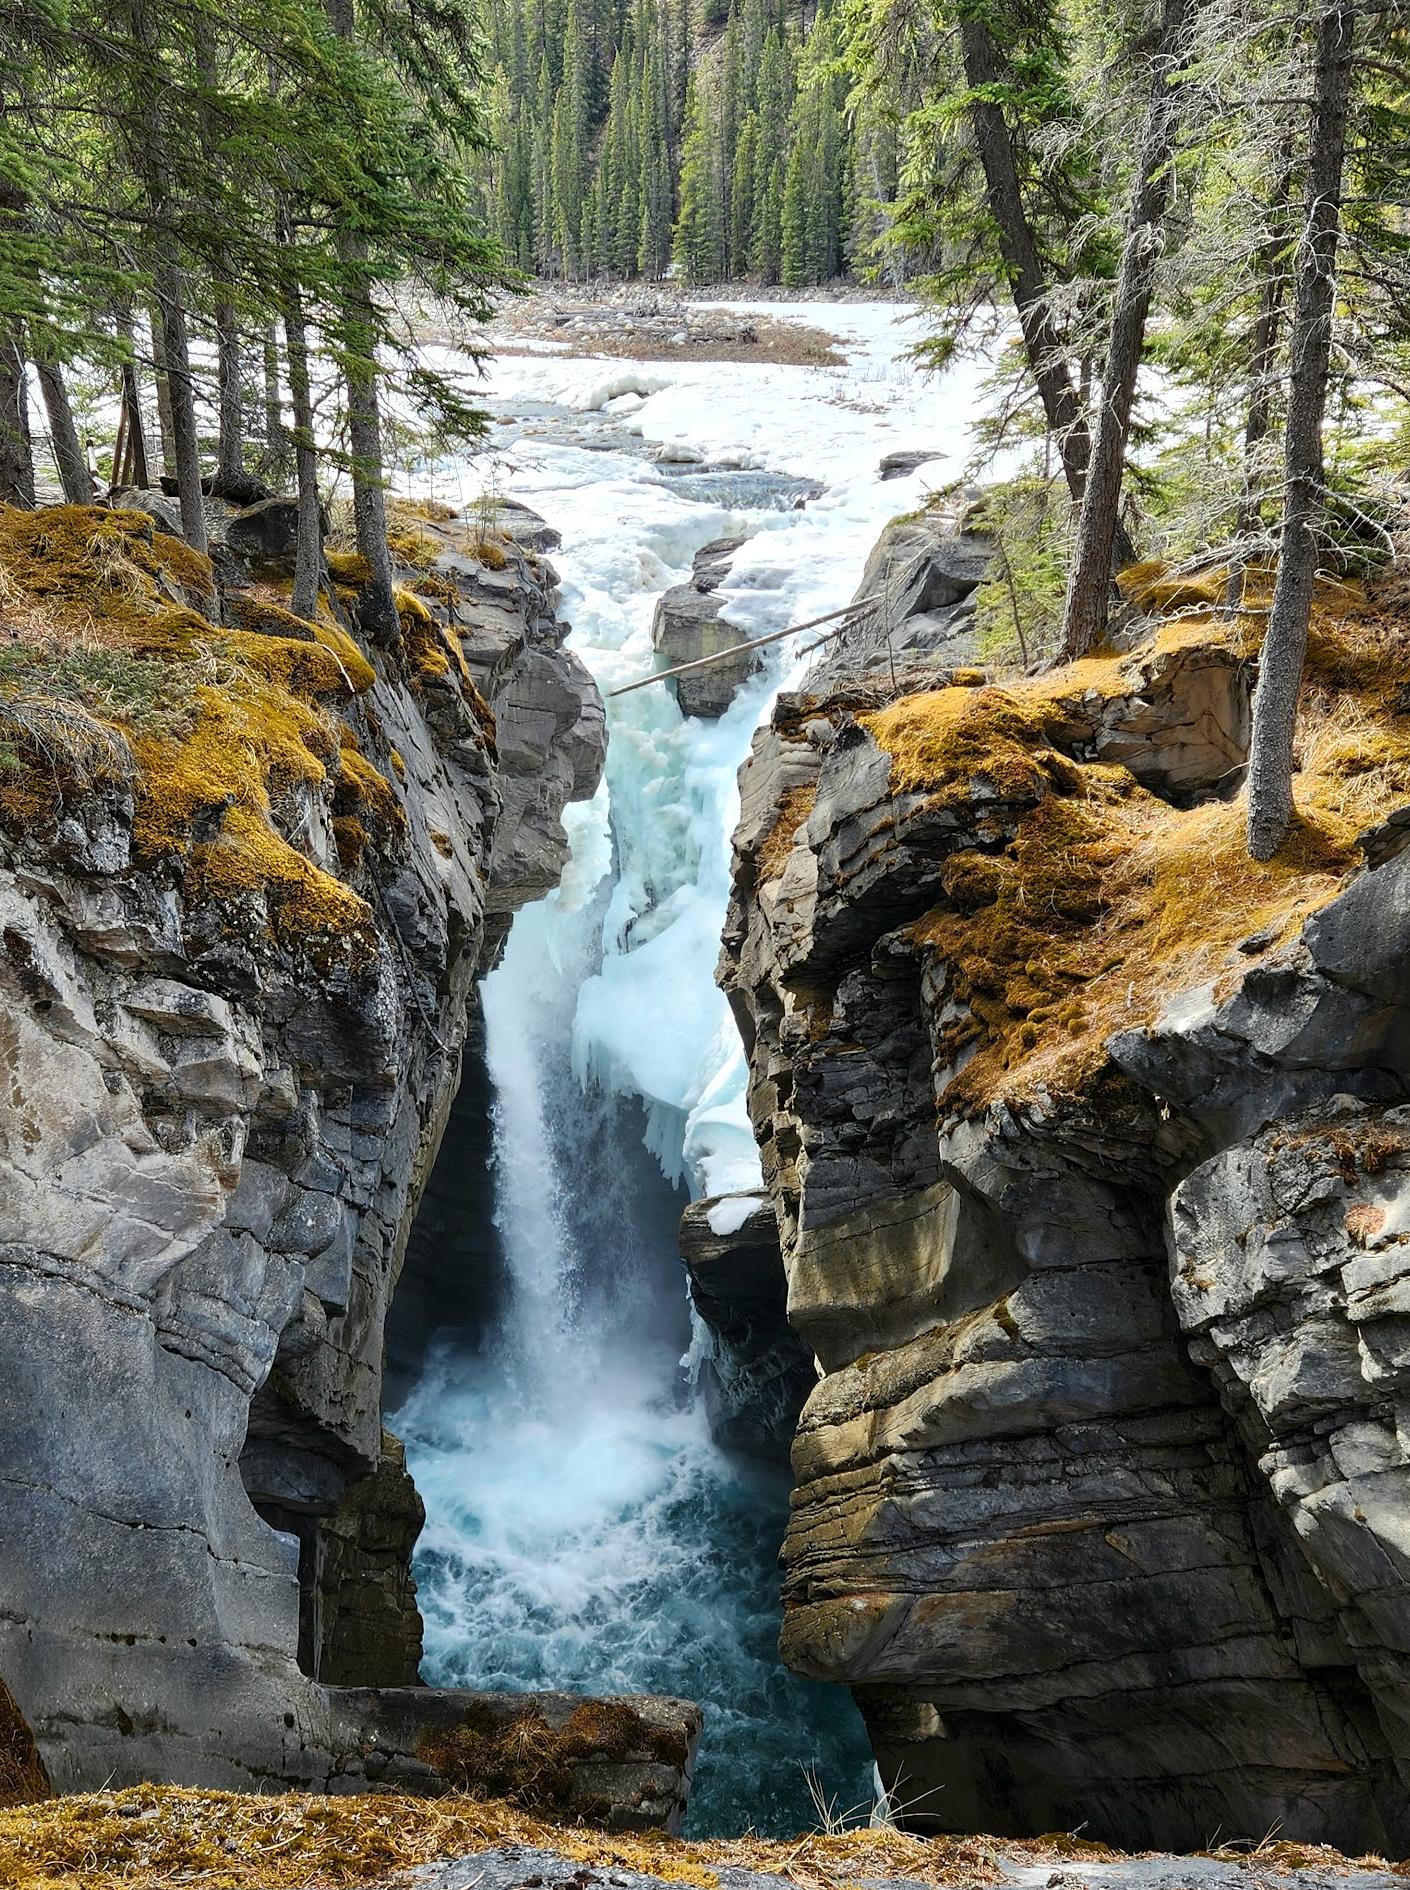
728	1216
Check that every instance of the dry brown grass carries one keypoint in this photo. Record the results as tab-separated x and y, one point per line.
157	1837
777	844
23	1779
161	1837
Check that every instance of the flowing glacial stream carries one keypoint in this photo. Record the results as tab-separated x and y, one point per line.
583	1531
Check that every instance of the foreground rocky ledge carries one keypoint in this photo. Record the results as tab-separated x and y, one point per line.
156	1839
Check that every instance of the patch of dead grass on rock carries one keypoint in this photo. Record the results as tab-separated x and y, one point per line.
157	1837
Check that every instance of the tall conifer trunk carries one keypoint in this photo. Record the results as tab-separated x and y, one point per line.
308	556
274	445
16	462
1258	417
378	609
1270	771
986	73
69	456
230	461
165	432
185	442
1089	583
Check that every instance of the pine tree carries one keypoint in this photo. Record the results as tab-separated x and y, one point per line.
699	245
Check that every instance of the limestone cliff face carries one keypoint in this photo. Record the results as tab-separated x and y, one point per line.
244	895
1089	1148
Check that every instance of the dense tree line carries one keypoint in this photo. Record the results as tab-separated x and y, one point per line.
629	140
1190	222
216	195
1181	226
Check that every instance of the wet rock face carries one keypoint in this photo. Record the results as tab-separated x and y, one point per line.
1100	1499
688	625
212	1140
760	1371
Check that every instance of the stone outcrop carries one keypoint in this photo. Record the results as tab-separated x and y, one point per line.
688	626
242	922
1089	1146
622	1763
906	460
759	1371
920	581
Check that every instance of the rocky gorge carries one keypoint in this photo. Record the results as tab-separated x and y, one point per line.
1071	1278
250	870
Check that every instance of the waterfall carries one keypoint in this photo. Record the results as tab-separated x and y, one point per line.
583	1531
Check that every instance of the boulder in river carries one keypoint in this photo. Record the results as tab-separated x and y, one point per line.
898	465
688	625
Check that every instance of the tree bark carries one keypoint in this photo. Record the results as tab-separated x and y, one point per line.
130	452
275	446
1042	344
16	460
377	609
308	556
163	385
185	441
69	457
1089	576
1270	771
230	460
1258	418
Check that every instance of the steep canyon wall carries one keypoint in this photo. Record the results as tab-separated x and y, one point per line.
1089	1150
241	934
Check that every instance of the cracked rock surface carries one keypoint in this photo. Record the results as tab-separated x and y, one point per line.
213	1134
1102	1495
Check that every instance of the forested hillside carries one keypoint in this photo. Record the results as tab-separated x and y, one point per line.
213	201
1178	231
627	140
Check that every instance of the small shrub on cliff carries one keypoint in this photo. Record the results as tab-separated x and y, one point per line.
1018	608
526	1761
23	1779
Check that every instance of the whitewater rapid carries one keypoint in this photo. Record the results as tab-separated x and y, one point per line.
582	1530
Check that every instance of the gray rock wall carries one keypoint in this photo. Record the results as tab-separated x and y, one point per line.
1101	1493
213	1134
688	626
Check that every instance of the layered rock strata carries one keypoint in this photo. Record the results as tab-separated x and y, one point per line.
249	871
1087	1141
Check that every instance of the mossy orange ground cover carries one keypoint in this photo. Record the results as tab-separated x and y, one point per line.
161	1837
1108	901
157	1837
241	732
